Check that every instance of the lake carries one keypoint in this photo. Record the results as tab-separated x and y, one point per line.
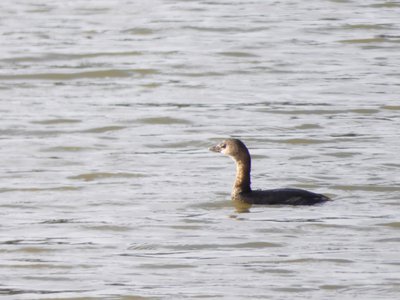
108	108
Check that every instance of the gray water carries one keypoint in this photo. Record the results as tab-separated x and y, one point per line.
108	108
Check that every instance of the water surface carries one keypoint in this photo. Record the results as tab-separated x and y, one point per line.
108	108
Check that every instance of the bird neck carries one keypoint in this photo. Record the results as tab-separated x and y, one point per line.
242	180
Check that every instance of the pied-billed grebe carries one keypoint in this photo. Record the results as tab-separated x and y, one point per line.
242	191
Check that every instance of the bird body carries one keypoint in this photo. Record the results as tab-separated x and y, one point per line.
242	191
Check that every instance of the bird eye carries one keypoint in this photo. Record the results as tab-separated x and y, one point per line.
223	146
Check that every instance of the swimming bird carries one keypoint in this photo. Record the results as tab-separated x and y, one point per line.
242	191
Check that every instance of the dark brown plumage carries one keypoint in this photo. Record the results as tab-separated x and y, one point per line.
242	191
